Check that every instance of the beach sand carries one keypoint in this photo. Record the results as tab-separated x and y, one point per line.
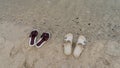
97	20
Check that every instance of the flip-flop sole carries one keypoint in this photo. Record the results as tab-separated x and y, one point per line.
32	43
77	51
67	48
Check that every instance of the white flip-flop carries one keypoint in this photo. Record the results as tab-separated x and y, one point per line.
68	44
79	46
44	38
32	37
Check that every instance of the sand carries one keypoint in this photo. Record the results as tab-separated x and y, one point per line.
97	20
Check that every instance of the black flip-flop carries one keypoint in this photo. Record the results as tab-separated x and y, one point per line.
44	37
32	37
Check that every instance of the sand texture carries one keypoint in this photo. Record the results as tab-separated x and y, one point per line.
97	20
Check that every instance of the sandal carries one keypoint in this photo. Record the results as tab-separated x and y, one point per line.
44	38
68	44
79	46
32	37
